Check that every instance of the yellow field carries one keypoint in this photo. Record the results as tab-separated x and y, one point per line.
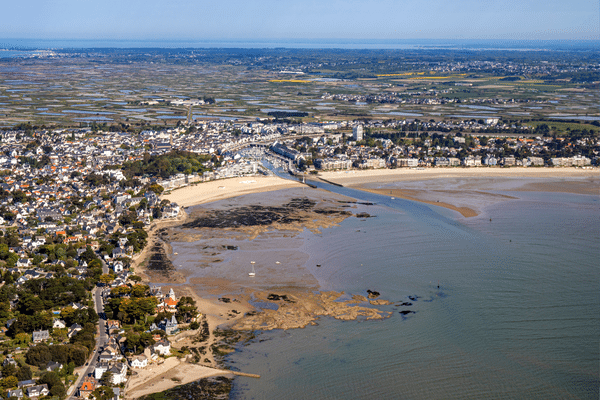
438	77
290	80
402	74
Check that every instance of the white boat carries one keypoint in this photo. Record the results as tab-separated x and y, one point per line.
252	273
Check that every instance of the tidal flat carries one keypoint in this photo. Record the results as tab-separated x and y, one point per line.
214	249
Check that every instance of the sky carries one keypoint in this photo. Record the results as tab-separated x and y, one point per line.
300	19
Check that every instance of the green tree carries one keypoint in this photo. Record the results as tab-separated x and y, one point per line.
9	382
103	393
186	309
9	370
24	373
106	378
55	385
88	255
107	278
139	290
22	339
156	188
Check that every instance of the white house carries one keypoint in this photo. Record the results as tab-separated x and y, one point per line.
163	347
59	324
140	361
38	391
100	369
119	373
18	393
40	336
118	267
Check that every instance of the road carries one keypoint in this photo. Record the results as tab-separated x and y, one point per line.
101	340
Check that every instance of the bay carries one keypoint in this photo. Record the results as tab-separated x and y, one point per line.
516	314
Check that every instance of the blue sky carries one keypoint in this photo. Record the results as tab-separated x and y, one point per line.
300	19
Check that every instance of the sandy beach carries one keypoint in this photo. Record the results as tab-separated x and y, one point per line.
172	372
357	177
205	192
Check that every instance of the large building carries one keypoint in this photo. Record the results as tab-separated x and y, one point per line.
357	133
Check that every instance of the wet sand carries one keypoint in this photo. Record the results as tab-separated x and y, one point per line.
167	375
467	190
206	254
357	177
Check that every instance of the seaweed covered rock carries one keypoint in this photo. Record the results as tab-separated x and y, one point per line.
203	389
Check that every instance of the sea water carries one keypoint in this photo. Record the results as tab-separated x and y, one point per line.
516	313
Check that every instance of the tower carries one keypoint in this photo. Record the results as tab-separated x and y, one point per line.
357	133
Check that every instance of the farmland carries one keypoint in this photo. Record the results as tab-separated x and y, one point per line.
143	88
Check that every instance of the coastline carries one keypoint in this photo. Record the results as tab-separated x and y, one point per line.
357	177
236	312
221	303
466	190
206	192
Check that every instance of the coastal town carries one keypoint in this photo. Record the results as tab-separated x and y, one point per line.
76	206
105	153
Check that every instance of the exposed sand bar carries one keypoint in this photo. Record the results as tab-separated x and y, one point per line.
467	190
358	177
206	192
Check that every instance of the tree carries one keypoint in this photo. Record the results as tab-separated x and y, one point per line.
4	310
156	188
186	309
106	378
9	370
139	290
24	373
88	255
106	278
38	356
57	388
103	393
9	382
22	339
68	368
